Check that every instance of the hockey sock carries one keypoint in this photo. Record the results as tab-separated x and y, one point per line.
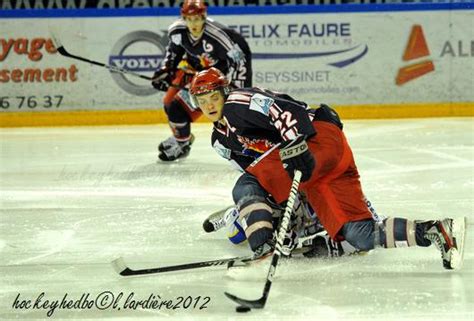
397	232
179	121
256	218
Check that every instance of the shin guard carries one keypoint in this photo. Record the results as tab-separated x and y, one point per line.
256	218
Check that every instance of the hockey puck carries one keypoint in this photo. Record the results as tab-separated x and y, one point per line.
242	309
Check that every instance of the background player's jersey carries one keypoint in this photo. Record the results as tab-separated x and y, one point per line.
218	47
256	120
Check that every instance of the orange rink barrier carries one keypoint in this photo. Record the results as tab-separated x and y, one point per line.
136	117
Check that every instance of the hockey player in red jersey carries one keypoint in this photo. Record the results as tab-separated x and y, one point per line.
270	135
200	43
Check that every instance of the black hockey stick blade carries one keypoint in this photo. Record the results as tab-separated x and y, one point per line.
255	304
122	268
260	303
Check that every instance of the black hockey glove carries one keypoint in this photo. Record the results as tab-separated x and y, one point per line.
162	79
295	154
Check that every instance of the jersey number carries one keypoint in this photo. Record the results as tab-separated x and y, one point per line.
285	121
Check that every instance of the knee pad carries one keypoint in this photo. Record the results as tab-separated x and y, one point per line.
247	186
360	234
256	218
365	243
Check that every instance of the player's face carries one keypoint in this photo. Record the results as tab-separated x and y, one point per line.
195	25
211	104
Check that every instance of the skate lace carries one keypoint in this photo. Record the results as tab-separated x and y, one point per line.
218	224
434	238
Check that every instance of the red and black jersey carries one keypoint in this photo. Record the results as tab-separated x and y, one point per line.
219	47
256	120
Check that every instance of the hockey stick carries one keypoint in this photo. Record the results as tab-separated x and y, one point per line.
121	267
60	48
260	303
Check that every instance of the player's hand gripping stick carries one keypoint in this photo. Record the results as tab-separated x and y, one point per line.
295	155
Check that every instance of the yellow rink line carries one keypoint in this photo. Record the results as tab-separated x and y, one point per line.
130	117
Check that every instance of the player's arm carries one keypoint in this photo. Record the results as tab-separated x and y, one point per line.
228	52
174	53
240	59
291	119
247	110
261	111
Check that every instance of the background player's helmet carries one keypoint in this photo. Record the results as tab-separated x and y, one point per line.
193	8
208	80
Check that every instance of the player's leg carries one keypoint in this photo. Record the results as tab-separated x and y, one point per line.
255	212
256	209
339	201
180	115
335	191
304	228
179	144
341	207
181	111
345	202
168	100
447	235
253	218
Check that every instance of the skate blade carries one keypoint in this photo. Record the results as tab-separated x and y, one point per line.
459	232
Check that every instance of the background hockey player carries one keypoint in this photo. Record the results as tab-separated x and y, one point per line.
202	43
285	135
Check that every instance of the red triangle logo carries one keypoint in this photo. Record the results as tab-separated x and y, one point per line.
416	46
414	71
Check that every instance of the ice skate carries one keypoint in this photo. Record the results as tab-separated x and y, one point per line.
170	142
264	250
217	220
170	149
323	246
167	143
448	237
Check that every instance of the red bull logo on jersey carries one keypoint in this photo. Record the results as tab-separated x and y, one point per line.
206	61
254	147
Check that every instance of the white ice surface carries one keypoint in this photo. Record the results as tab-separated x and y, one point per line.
74	199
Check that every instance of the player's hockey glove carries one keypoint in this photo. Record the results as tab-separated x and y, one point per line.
295	154
162	79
